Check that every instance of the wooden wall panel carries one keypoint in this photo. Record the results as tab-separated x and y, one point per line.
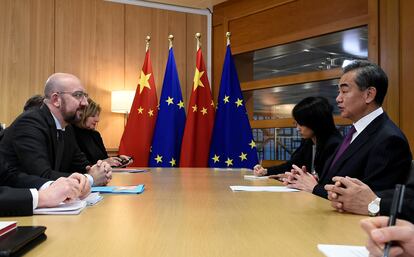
389	54
219	43
26	52
90	45
274	25
158	24
406	69
102	43
234	9
195	23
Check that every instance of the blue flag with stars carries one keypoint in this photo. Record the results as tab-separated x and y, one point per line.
169	128
232	143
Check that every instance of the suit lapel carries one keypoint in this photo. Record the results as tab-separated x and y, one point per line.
55	161
360	140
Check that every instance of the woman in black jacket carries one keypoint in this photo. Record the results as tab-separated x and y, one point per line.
314	122
90	141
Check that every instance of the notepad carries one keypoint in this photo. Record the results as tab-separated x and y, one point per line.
263	189
343	250
7	226
253	177
120	189
71	208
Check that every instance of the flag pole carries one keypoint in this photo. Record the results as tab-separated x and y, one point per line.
228	35
147	45
170	41
198	37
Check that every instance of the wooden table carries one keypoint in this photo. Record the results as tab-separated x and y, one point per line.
193	212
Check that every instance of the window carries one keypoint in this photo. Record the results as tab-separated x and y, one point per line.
275	79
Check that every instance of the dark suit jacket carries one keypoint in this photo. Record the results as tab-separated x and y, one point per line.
303	155
380	157
91	144
15	196
408	203
30	145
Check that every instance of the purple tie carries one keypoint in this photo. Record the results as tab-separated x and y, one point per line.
344	145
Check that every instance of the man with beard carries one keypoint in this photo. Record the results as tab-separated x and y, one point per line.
41	142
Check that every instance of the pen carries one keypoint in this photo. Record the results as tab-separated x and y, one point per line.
396	207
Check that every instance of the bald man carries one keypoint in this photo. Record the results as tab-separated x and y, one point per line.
41	142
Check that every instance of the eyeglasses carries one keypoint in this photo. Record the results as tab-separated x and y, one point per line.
77	94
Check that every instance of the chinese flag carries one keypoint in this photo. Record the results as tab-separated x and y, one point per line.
137	137
200	120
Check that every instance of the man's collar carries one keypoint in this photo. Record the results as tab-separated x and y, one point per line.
58	126
362	123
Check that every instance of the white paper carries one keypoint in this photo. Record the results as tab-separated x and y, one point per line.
343	250
253	177
93	198
63	209
263	189
130	170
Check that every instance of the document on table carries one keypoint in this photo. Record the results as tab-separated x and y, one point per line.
93	198
253	177
120	189
263	189
63	209
343	250
130	170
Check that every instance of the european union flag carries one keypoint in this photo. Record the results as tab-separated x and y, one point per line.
232	143
169	129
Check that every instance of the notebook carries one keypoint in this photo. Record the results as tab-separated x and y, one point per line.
21	240
72	208
7	226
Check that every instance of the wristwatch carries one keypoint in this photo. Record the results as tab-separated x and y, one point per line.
374	207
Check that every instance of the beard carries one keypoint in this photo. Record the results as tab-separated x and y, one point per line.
71	116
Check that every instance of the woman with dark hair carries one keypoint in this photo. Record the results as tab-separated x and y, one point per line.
314	122
90	141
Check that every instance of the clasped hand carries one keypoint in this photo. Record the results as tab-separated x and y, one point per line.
298	178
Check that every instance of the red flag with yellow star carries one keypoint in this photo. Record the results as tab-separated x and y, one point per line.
200	120
137	137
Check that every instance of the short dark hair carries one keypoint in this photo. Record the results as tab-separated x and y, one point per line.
369	75
33	102
316	114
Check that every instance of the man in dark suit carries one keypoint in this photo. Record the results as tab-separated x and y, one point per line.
41	141
375	151
20	193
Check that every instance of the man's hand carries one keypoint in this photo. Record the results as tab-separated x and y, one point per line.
83	183
62	190
379	233
350	195
258	170
101	173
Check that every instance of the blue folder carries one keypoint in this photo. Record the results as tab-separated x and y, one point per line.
120	189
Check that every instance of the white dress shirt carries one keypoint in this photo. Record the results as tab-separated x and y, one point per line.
362	123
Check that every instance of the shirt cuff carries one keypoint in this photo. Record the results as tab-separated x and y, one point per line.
46	185
90	179
35	197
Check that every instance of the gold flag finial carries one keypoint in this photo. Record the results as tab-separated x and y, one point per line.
170	41
147	40
198	37
228	35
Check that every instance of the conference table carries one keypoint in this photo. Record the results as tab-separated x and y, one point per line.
193	212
